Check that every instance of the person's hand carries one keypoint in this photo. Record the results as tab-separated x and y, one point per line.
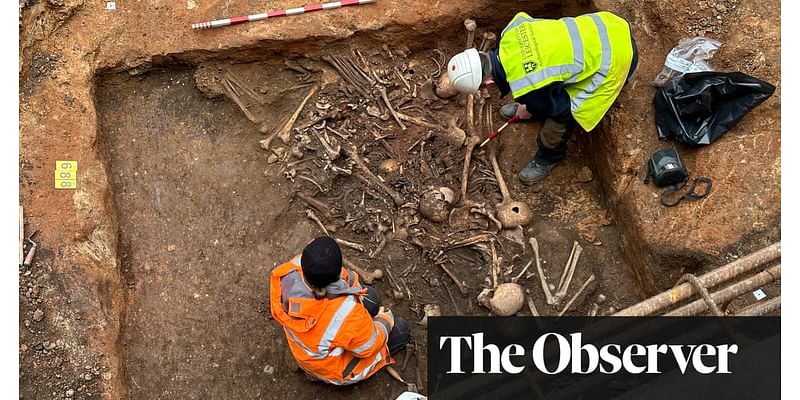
386	315
522	112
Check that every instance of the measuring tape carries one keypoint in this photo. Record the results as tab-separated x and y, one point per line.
279	13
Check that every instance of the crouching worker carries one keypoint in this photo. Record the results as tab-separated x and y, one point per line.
335	328
564	71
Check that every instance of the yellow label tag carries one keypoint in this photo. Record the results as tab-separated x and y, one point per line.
66	174
66	184
61	174
67	166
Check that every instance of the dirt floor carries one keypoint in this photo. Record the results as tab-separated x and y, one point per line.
151	278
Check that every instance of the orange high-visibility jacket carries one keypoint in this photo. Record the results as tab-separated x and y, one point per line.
334	338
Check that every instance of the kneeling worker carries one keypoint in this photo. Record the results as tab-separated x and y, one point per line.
335	328
567	70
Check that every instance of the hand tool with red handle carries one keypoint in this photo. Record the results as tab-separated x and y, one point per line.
496	133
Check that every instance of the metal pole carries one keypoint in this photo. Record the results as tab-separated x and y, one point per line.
711	279
761	308
698	306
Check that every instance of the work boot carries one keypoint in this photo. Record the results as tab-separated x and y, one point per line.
508	110
534	172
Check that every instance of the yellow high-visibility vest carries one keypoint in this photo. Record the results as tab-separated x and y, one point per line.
591	54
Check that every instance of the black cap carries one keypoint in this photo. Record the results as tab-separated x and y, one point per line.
321	262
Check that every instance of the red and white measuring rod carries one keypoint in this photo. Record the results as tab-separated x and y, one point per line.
279	13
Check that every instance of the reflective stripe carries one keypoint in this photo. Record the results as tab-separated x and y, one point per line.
317	356
336	323
337	351
384	323
605	65
364	347
573	69
538	76
363	374
516	22
577	46
302	345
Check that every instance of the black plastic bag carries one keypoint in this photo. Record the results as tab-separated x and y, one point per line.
697	108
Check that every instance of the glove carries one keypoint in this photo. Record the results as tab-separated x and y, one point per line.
522	112
387	316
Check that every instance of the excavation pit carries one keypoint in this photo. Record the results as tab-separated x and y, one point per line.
202	212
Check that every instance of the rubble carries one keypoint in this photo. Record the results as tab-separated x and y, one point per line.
585	175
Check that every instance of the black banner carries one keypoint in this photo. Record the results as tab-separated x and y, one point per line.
590	358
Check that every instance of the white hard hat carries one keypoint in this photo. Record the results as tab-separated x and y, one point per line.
410	396
465	71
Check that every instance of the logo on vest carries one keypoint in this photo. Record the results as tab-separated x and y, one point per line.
529	67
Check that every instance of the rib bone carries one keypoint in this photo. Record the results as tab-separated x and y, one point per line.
234	95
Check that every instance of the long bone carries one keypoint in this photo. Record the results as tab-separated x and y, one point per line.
367	277
388	103
489	39
574	297
510	213
461	286
547	293
524	270
331	150
320	206
354	246
354	81
310	214
286	128
352	152
473	139
569	271
470	26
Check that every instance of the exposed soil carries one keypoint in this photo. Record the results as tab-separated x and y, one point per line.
151	281
198	235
